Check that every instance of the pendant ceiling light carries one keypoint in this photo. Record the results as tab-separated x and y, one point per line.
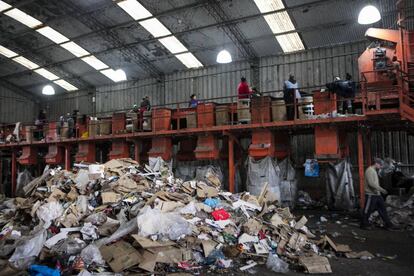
224	57
48	90
369	15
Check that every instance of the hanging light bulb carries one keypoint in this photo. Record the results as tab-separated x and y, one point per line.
369	15
48	90
224	57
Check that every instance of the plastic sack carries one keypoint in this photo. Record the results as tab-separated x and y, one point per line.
340	192
276	264
49	212
41	270
154	222
92	255
26	253
210	174
260	172
311	168
23	179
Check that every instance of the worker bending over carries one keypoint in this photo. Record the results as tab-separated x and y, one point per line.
373	199
290	94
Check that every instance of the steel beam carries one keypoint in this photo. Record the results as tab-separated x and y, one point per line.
13	173
231	164
361	168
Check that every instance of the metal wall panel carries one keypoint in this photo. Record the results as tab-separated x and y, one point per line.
63	104
206	83
16	108
123	96
312	68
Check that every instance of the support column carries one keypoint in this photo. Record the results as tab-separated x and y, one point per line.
361	169
368	148
13	172
67	158
231	164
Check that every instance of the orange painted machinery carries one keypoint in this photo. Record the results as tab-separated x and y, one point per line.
86	152
120	149
207	144
29	156
55	155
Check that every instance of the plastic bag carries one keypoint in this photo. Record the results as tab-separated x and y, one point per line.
41	270
276	264
89	231
69	246
26	253
220	214
154	222
260	172
123	230
311	168
212	202
91	254
49	212
23	179
190	208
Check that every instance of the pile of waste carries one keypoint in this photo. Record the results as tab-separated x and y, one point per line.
123	217
400	212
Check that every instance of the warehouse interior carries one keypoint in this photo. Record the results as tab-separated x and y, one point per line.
206	136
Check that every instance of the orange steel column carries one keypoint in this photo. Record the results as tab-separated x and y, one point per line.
231	164
361	169
13	172
67	158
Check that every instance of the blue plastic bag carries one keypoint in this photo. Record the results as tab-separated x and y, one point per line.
212	202
41	270
311	168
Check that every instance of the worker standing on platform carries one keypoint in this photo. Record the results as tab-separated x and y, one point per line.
243	89
373	199
40	123
193	101
145	104
71	125
290	94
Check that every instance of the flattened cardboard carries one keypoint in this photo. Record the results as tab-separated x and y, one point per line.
110	197
300	223
358	255
316	264
208	247
148	243
120	256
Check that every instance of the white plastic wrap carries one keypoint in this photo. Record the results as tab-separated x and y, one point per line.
340	192
276	264
92	255
49	212
154	222
25	254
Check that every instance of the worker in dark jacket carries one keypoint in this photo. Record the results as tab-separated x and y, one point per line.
145	104
243	89
290	94
193	101
345	90
373	199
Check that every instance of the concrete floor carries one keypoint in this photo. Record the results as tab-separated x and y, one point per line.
377	241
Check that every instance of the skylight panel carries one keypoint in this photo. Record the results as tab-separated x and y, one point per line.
65	85
290	42
269	5
279	22
75	49
116	76
155	27
25	62
52	34
46	74
7	52
95	63
23	18
134	9
173	45
189	60
4	6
